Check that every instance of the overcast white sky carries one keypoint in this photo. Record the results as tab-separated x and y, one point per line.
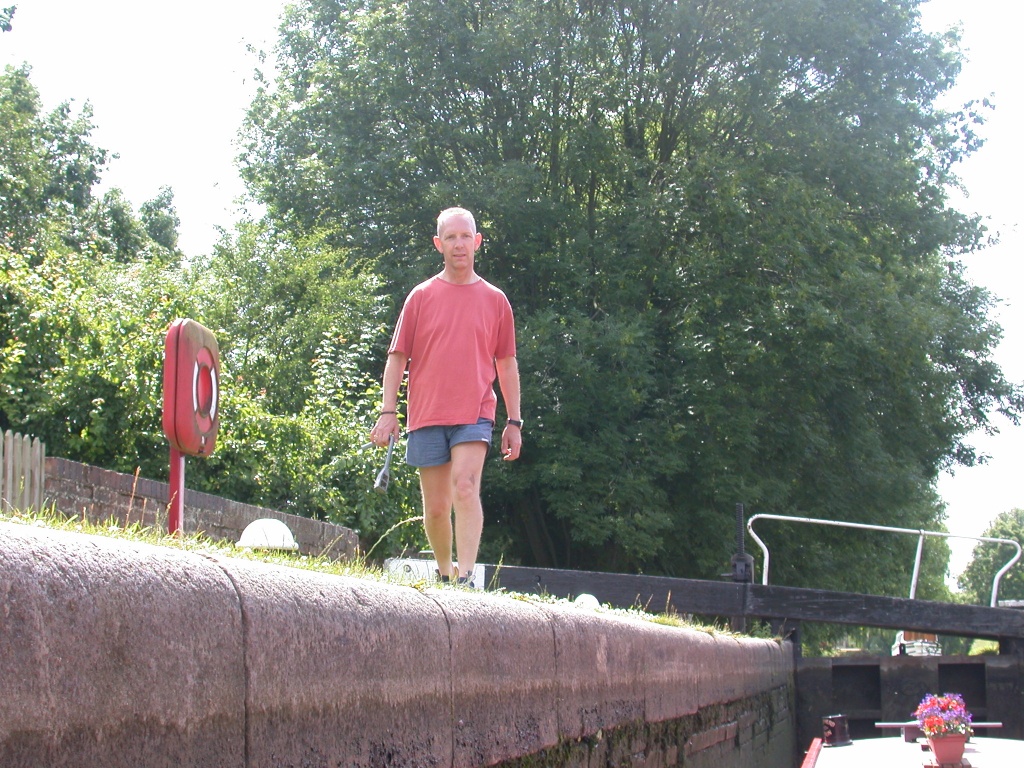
975	496
169	84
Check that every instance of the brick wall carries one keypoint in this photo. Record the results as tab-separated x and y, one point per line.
100	494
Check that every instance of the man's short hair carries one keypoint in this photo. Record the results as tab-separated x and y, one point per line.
448	213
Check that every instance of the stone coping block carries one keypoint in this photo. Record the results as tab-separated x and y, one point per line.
602	667
504	681
122	654
342	671
116	655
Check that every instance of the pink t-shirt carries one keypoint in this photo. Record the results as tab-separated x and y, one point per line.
452	334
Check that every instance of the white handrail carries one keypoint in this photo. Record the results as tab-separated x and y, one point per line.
864	526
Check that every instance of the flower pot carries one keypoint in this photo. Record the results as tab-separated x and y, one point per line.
948	749
836	731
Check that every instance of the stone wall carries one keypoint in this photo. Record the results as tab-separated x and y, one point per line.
121	654
99	495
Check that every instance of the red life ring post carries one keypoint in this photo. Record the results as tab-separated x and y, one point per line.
191	403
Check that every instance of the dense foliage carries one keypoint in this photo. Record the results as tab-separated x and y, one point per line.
88	288
723	227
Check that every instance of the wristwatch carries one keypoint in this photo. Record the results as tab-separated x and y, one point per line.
516	423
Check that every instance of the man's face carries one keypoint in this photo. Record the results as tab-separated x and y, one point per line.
458	242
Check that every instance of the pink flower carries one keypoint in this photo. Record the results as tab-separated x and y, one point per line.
939	715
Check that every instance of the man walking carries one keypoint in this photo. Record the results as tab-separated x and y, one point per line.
455	334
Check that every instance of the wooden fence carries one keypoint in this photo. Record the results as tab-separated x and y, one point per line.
22	472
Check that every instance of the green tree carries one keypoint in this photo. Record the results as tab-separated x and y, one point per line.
48	170
299	331
119	233
6	14
81	368
725	230
82	361
989	559
277	298
160	219
48	166
63	309
76	306
89	289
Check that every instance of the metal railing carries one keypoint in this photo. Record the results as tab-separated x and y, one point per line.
22	472
920	545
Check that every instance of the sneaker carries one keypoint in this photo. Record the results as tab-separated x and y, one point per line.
448	579
465	581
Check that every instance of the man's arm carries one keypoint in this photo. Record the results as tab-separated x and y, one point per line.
387	422
508	379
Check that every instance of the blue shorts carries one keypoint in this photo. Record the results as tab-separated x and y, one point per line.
432	446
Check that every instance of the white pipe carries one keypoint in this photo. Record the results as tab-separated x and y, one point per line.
917	565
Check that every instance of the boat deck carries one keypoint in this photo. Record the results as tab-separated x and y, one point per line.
894	752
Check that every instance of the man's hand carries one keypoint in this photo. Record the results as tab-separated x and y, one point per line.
511	442
386	427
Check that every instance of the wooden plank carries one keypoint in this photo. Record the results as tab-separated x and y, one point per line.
885	612
24	471
7	501
728	599
38	484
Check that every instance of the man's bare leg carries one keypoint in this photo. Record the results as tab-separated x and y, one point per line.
436	487
467	467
